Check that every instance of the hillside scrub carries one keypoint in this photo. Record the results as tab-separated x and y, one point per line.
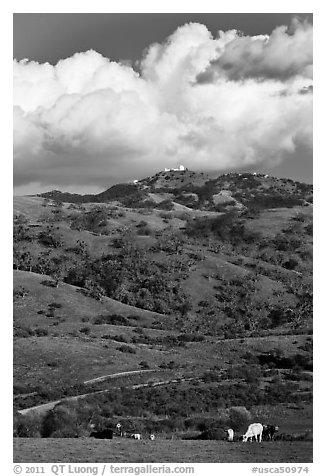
227	227
266	201
163	409
130	275
165	205
21	230
50	237
134	278
94	220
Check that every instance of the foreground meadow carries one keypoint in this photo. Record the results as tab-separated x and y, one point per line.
65	450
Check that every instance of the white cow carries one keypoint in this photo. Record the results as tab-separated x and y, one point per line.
152	437
254	430
230	433
136	436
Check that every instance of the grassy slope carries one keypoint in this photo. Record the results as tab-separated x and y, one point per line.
31	207
81	358
66	356
74	303
205	275
272	221
65	353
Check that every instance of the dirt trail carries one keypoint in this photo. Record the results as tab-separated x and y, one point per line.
116	375
45	407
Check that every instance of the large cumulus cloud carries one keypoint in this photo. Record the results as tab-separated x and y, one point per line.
208	103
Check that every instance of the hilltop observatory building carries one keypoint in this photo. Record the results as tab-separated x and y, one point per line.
179	169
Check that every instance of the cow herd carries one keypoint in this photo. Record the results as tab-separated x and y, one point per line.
256	431
108	435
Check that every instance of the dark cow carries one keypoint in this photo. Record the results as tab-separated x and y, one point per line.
269	432
103	434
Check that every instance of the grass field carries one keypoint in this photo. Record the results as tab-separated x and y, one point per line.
47	450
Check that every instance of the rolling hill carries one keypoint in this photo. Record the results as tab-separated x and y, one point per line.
202	191
205	282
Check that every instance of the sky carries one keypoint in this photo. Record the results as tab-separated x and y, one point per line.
105	98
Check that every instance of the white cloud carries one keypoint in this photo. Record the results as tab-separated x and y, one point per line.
285	53
88	120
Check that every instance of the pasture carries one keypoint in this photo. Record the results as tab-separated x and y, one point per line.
88	450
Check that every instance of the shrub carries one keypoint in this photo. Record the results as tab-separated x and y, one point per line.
24	332
309	229
55	305
165	205
142	224
61	419
191	338
250	373
65	433
168	365
126	348
53	364
41	332
85	330
302	362
307	436
278	316
114	319
49	284
290	264
238	417
119	338
134	317
300	217
212	434
20	292
211	376
144	365
27	426
307	346
94	221
143	229
283	242
50	237
165	215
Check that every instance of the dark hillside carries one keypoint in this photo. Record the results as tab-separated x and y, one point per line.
113	193
198	190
